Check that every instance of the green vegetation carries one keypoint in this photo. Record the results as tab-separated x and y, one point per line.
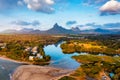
21	47
94	66
93	47
30	48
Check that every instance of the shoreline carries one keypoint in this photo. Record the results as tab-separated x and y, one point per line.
12	60
28	63
39	73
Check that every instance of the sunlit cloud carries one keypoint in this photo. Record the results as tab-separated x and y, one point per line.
112	7
44	6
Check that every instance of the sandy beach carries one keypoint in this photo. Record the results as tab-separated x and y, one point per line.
33	72
8	59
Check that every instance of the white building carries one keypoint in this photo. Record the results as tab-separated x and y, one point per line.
31	58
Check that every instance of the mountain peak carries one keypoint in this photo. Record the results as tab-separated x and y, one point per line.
56	25
75	29
56	29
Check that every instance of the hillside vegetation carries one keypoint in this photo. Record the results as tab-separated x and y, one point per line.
88	46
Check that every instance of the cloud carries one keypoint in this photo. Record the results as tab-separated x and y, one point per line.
112	25
85	27
94	25
45	6
61	1
25	23
90	24
112	7
93	2
20	3
69	23
103	26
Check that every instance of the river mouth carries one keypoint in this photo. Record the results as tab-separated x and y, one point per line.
58	60
7	68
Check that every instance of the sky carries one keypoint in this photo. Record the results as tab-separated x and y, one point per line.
43	14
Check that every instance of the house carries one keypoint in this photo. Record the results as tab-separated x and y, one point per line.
35	49
3	45
28	49
31	58
34	53
39	56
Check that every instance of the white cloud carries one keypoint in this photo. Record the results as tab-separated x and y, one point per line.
93	2
45	6
20	3
25	23
111	7
85	27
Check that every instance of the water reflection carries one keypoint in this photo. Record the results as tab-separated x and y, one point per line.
59	59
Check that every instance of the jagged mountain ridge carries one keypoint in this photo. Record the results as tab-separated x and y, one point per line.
60	30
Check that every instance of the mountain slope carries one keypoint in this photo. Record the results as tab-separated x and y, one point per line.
60	30
99	31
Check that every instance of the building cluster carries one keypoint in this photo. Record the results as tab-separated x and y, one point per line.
3	45
33	53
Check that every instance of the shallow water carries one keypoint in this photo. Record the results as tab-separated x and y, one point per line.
7	68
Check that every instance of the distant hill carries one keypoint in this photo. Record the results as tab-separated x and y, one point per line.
99	31
56	29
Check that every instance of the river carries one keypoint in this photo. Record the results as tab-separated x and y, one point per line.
59	59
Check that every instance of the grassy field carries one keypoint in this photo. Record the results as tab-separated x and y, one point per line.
87	46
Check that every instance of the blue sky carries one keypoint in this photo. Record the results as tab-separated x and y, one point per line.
43	14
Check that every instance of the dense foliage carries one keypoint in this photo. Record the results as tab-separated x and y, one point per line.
93	47
13	46
103	61
93	66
